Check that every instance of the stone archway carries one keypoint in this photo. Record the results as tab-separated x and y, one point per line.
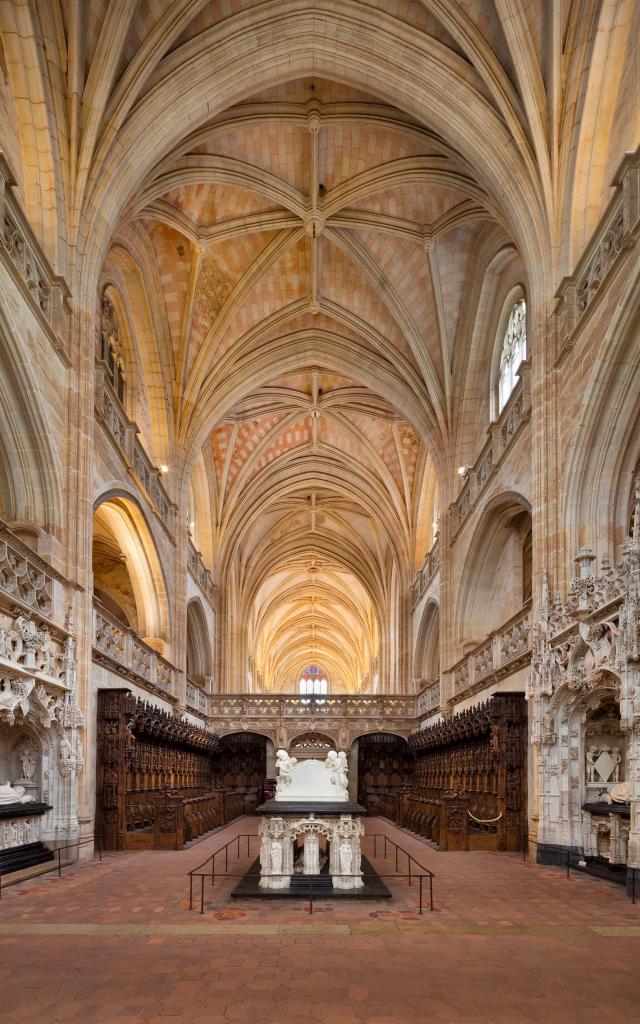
311	745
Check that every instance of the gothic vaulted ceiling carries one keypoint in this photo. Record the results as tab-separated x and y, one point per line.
292	206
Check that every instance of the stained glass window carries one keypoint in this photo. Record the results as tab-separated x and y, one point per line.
514	350
313	682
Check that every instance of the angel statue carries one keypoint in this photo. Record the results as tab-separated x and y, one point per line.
284	764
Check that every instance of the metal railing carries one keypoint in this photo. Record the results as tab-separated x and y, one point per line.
419	872
58	865
211	859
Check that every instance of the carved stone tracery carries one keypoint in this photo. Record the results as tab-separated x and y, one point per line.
585	685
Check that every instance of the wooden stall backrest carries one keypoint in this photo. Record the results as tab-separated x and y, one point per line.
466	789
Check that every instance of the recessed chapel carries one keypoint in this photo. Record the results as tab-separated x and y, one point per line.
319	511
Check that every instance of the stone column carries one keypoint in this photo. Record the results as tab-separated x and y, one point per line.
311	854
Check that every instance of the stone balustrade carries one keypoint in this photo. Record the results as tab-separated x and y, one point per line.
426	574
200	573
504	651
46	292
428	699
502	435
291	705
285	715
197	699
124	433
618	230
122	651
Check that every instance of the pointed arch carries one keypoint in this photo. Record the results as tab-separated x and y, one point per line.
120	519
30	470
199	661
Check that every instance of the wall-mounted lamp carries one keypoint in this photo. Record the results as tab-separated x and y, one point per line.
463	470
164	469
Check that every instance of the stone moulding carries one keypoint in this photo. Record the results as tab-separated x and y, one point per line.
586	661
615	235
46	292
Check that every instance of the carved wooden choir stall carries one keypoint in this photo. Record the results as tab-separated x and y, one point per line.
468	781
162	782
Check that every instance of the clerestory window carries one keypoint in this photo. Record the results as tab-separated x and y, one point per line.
110	348
514	351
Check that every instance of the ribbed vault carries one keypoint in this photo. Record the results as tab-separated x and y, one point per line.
310	249
298	209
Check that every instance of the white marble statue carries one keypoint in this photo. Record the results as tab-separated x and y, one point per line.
338	766
346	858
13	795
285	765
276	857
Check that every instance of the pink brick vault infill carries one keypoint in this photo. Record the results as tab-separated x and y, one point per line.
509	942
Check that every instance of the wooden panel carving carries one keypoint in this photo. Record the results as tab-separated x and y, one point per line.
466	788
162	782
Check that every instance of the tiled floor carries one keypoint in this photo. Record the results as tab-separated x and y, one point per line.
509	942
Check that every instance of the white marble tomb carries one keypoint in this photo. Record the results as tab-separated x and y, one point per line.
311	783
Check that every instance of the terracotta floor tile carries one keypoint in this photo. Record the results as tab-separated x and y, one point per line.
510	942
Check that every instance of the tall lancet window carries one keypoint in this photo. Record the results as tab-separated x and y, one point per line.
110	352
514	350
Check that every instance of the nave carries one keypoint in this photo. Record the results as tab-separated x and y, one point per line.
320	460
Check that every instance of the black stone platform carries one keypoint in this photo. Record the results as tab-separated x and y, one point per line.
28	810
373	888
603	809
16	858
599	867
321	809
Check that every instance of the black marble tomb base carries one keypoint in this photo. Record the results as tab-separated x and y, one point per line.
373	888
321	809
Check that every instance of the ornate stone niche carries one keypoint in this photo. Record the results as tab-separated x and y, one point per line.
21	759
604	751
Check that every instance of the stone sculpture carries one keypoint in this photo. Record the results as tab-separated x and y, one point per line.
284	764
337	765
28	763
276	857
591	766
346	858
620	794
13	795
